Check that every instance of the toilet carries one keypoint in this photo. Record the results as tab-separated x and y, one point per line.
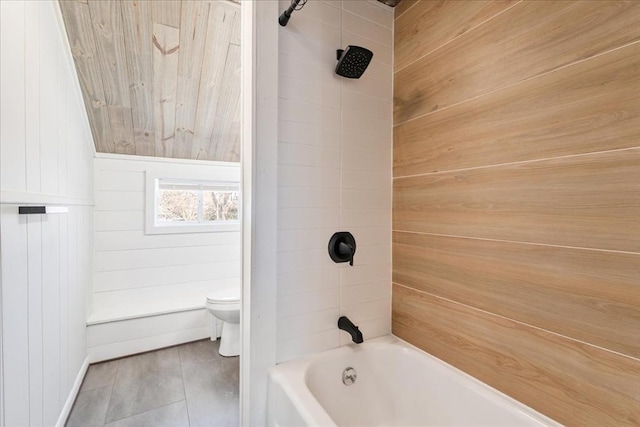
224	304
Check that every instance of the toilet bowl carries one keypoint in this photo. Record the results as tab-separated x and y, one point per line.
224	304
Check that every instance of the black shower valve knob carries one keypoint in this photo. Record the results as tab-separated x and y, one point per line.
342	247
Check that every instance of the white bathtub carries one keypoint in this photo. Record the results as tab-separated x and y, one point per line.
397	385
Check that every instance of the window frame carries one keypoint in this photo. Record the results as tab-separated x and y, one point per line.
153	178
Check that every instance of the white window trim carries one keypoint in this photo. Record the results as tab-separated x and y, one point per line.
226	175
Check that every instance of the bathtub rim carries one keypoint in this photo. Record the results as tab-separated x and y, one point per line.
291	377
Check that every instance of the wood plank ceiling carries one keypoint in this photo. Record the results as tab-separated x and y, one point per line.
159	78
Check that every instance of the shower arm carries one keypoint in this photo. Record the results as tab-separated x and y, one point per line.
284	18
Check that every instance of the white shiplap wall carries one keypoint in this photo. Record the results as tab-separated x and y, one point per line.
334	174
138	275
45	159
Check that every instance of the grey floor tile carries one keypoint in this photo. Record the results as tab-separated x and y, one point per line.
173	415
90	408
199	351
145	382
212	392
100	375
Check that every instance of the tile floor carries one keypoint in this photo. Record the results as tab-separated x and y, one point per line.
187	385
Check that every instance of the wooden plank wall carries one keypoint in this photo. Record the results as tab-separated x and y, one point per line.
516	208
159	78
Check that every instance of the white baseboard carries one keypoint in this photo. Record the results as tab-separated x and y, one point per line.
126	337
73	393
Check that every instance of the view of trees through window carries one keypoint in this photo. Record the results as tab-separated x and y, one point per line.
220	205
176	205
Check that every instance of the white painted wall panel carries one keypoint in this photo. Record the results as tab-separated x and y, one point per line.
136	239
105	281
35	319
119	221
109	340
32	95
12	99
140	276
374	14
49	106
119	201
120	181
51	314
334	174
15	322
46	158
140	302
144	258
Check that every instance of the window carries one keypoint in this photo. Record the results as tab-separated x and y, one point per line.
188	206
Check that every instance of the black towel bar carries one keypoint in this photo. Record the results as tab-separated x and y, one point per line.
35	210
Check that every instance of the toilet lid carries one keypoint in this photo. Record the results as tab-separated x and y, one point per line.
222	296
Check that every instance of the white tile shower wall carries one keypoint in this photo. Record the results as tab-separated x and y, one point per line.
46	153
334	174
136	274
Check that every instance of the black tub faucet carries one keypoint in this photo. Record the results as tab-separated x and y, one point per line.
347	325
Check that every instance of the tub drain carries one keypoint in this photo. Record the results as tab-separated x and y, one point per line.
349	376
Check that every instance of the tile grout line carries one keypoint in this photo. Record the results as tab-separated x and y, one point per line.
370	20
146	412
521	162
113	384
402	14
545	73
184	389
485	239
519	322
457	37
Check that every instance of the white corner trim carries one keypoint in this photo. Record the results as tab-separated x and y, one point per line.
73	393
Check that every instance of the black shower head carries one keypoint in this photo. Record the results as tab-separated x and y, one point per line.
353	61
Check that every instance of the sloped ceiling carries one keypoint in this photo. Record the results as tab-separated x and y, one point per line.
159	78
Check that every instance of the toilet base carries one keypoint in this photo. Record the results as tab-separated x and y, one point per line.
230	340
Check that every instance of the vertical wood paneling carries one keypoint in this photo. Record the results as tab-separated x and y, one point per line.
138	50
193	33
85	55
157	100
516	199
225	137
166	12
106	17
211	79
166	46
